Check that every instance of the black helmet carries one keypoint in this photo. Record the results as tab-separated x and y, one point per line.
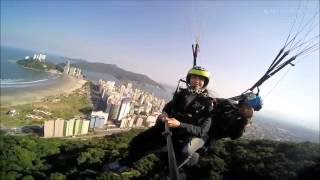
199	71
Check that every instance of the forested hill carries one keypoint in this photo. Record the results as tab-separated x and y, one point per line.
117	72
34	64
26	157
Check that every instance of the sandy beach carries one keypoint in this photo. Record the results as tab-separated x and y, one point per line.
62	85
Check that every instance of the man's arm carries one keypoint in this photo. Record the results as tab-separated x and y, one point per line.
200	130
168	107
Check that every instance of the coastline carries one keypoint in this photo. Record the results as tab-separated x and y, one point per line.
52	71
63	85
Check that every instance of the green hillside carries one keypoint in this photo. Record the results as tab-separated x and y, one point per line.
26	157
34	64
117	72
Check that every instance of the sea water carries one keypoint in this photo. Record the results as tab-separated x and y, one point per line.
16	80
14	75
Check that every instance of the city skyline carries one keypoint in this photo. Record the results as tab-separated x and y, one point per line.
238	40
122	107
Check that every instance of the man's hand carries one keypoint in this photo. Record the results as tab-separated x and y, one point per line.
163	116
172	122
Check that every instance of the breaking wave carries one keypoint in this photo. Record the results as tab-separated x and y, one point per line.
23	82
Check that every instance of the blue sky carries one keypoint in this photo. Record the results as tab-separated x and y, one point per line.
238	40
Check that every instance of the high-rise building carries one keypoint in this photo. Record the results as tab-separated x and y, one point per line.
131	111
147	107
114	112
78	72
69	127
124	108
42	57
48	128
39	57
122	90
139	122
103	94
101	115
72	71
85	127
125	122
135	95
97	122
128	85
110	84
77	126
131	121
141	99
67	68
108	107
58	127
106	85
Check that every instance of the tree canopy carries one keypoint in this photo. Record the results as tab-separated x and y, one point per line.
28	157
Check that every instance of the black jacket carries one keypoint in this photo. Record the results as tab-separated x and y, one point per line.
193	112
227	121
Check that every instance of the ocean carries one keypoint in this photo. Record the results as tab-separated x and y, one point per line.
15	76
16	79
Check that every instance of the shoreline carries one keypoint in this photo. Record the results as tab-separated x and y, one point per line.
63	85
52	71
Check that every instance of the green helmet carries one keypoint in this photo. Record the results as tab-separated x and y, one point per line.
199	71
